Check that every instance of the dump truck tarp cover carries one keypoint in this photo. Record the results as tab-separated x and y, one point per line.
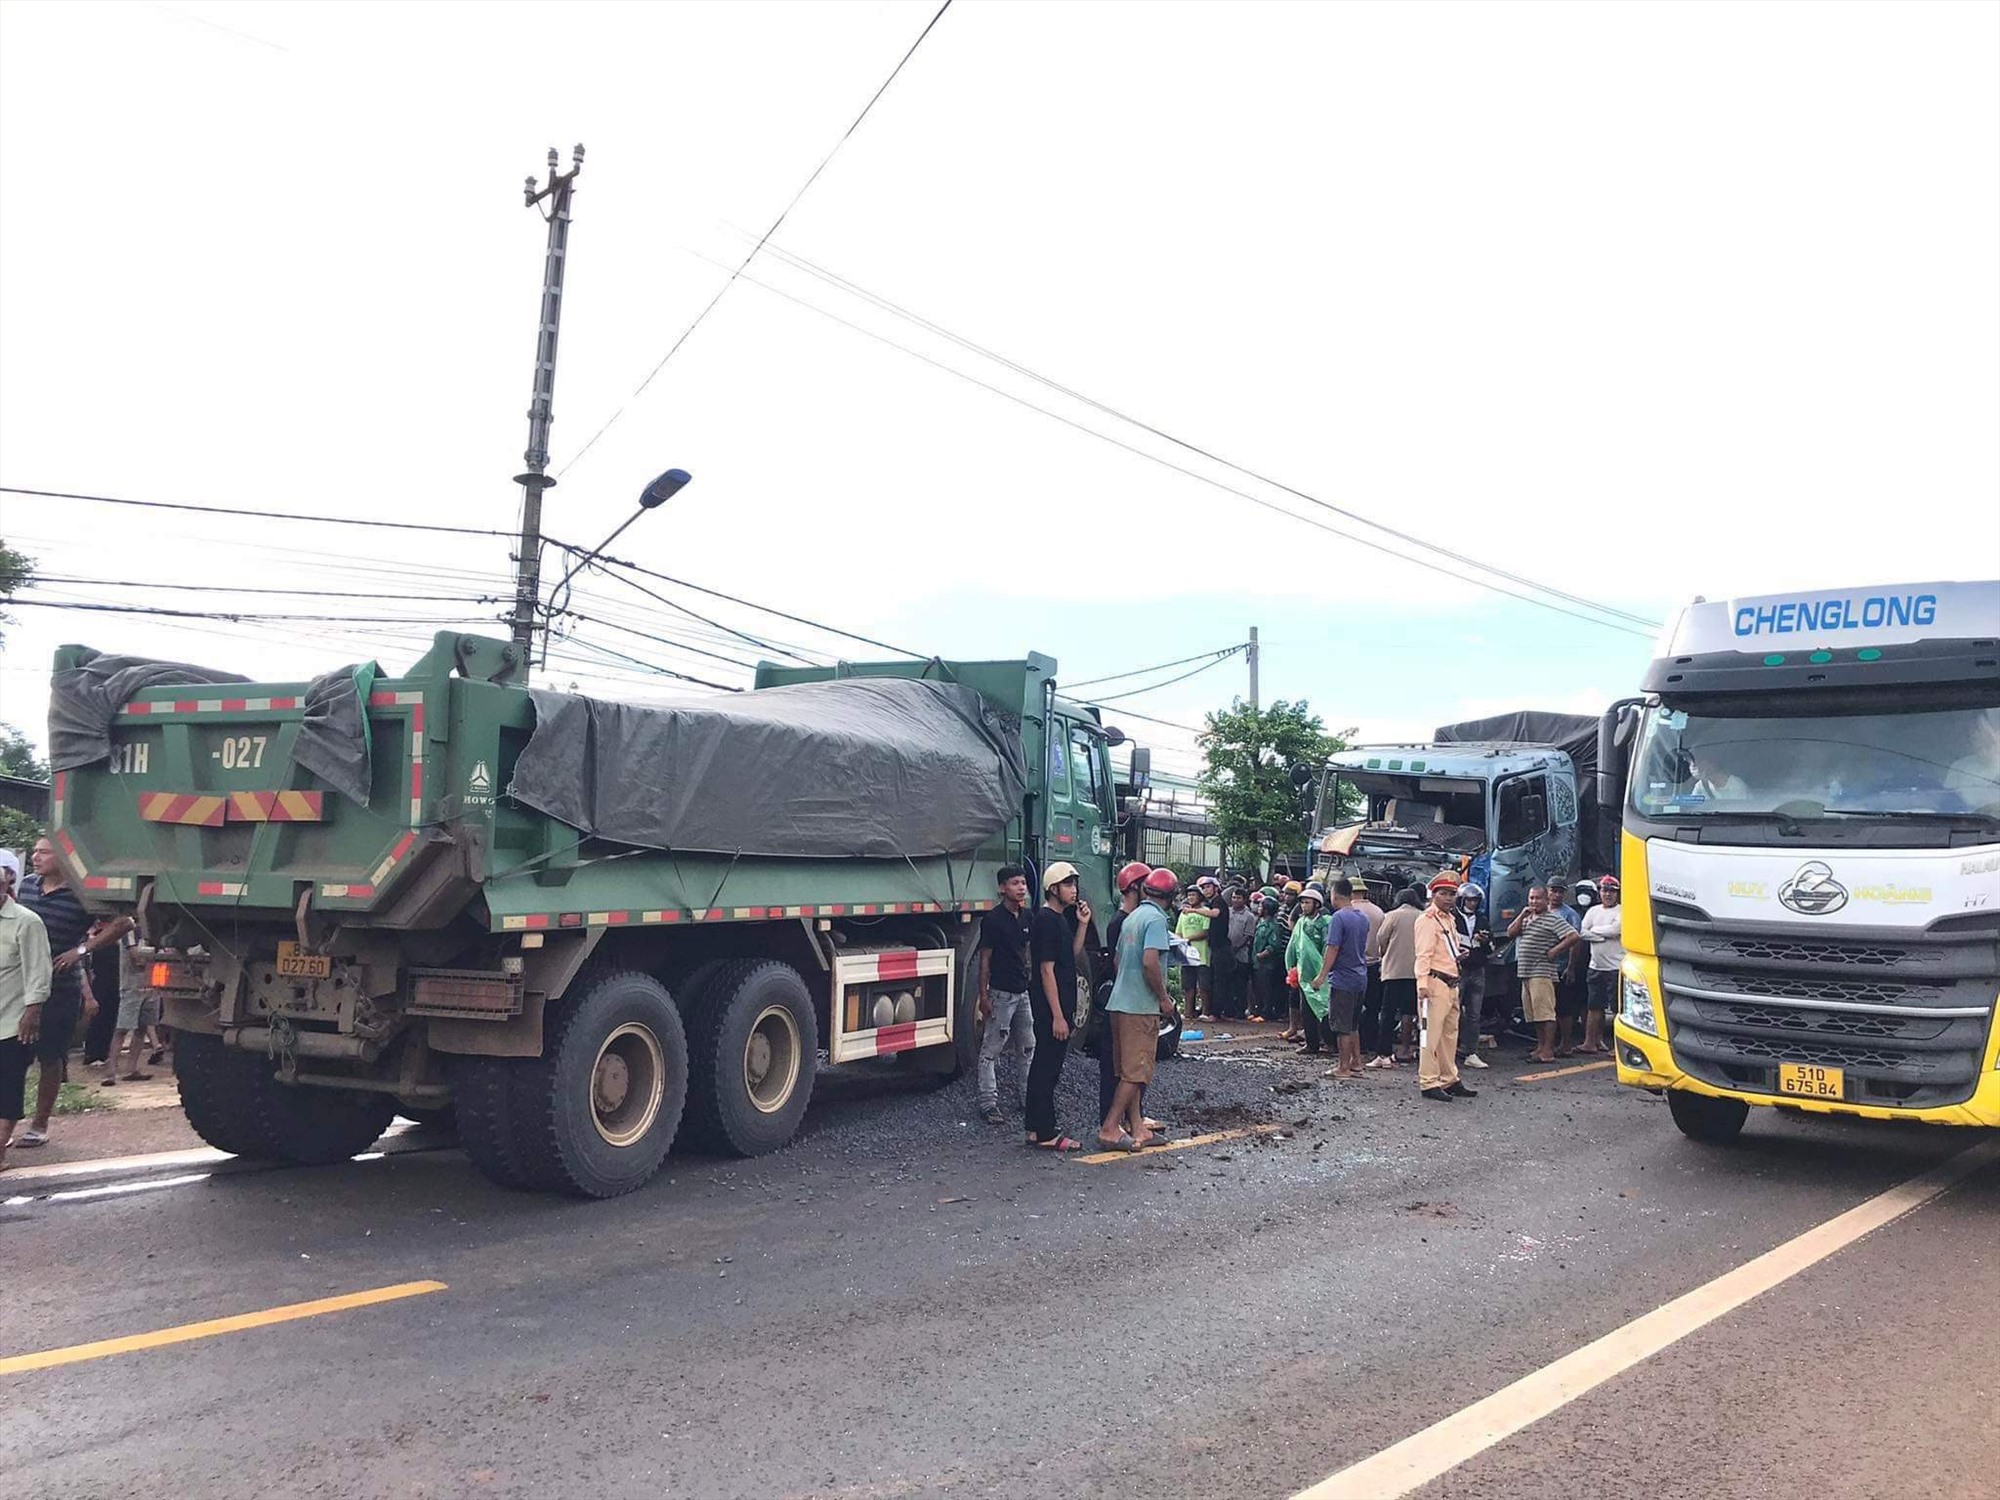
868	767
84	700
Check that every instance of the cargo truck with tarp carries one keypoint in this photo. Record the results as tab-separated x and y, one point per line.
586	926
1811	795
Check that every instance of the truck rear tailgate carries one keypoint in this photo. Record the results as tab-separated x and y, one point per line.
202	795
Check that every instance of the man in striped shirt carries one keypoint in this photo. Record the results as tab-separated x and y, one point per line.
1535	932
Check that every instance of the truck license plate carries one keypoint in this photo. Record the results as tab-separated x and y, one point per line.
1804	1081
293	964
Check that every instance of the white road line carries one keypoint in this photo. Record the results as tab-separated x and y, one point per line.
1443	1446
124	1166
116	1189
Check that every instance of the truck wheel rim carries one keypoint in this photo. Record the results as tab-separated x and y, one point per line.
627	1084
771	1059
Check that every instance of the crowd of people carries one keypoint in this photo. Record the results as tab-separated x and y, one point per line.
1374	990
59	974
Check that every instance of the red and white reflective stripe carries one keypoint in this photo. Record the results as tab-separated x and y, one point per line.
654	917
387	699
402	846
210	706
885	1040
75	860
347	892
898	963
110	884
220	888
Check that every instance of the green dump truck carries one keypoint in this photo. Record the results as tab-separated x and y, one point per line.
584	926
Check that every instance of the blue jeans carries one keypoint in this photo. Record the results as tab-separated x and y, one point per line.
1012	1022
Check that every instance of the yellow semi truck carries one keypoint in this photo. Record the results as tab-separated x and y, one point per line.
1811	856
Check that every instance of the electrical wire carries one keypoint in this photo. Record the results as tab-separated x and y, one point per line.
223	614
734	661
1223	651
238	588
833	278
746	603
702	316
1155	687
654	594
262	515
647	666
1194	474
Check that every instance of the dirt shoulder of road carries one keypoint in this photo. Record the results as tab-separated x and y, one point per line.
132	1118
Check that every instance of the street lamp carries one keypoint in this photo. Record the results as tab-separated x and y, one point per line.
652	497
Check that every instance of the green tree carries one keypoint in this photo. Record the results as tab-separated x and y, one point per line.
17	571
1249	755
18	830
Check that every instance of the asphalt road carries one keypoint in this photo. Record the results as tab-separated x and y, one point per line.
909	1303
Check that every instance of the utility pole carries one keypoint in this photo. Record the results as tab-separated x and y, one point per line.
541	407
1252	654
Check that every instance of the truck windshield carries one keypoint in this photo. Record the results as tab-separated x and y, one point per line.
1864	763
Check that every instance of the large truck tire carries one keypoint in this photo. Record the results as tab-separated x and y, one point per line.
595	1114
483	1088
1704	1118
752	1053
219	1090
314	1126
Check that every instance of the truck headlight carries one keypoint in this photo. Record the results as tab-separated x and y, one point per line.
1635	1004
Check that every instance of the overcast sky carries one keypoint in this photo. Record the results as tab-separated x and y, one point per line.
1641	301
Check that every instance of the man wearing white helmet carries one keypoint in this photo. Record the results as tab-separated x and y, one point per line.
1055	945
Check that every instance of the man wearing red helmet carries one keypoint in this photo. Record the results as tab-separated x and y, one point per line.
1138	999
1129	883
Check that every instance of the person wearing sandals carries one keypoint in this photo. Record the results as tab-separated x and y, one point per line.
72	939
1138	999
1055	946
1604	930
1003	988
138	1009
1305	965
25	973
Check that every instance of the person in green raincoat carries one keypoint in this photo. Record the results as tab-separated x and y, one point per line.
1305	956
1267	961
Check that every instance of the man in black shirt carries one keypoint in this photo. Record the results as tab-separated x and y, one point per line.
71	942
1056	945
1003	987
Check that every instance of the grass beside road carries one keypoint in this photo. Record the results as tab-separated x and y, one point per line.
71	1098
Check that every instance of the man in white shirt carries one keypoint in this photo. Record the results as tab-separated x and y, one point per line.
1604	930
24	989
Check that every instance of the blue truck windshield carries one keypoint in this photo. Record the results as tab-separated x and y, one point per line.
1943	762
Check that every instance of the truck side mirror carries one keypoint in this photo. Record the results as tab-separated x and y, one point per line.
1142	767
1615	731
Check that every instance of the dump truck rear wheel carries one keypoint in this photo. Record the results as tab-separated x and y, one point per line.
482	1086
315	1126
753	1053
597	1111
218	1094
1702	1117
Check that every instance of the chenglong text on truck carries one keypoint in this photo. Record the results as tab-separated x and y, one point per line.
568	918
1812	858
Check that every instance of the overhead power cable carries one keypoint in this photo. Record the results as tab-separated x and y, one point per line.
1155	687
654	594
238	588
834	278
1196	474
227	614
783	213
261	515
653	667
1220	652
746	603
644	635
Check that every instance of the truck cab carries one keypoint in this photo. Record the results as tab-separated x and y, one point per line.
1397	814
1811	825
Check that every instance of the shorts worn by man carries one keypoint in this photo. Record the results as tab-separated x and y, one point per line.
1135	1006
1004	935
